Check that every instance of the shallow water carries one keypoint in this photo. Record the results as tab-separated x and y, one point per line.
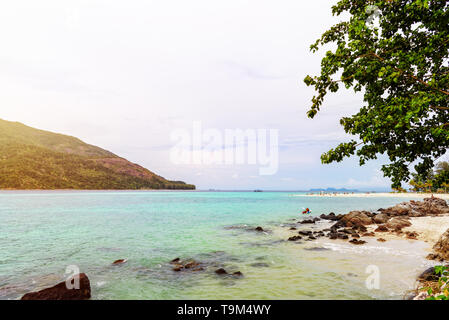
43	232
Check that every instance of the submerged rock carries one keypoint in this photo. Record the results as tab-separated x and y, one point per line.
260	229
120	261
221	271
294	238
61	292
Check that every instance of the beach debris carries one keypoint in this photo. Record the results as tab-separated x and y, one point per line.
441	248
119	261
66	290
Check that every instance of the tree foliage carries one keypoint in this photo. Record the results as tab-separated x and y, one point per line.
401	67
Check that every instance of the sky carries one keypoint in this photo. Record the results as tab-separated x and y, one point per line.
125	75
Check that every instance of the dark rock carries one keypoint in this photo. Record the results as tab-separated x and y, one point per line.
292	228
342	236
238	274
175	261
333	235
294	238
381	240
260	229
429	275
368	234
61	292
355	241
355	235
221	271
316	219
312	238
307	221
305	233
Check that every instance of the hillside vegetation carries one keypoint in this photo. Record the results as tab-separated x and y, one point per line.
37	159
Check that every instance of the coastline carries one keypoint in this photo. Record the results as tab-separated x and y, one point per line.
410	195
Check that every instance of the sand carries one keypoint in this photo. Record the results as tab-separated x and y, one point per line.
429	229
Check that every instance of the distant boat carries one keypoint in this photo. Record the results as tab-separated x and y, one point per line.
258	191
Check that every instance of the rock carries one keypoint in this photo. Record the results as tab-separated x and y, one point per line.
381	228
441	247
355	235
238	274
175	261
221	271
333	235
120	261
429	275
381	218
368	234
260	229
331	216
355	241
307	221
381	240
342	236
294	238
411	235
398	223
316	219
356	218
312	238
191	265
305	233
292	228
61	292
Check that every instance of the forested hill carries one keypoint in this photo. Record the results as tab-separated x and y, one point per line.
37	159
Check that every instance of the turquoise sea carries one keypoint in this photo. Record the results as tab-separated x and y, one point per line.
43	232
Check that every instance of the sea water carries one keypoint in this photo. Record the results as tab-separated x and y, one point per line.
42	233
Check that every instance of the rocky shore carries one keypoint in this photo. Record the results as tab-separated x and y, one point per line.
426	220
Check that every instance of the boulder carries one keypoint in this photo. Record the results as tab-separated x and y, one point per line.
381	240
398	223
441	248
238	274
61	292
260	229
307	221
381	218
356	218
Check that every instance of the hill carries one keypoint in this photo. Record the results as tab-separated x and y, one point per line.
37	159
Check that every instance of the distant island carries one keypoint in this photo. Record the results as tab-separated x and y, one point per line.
37	159
333	190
